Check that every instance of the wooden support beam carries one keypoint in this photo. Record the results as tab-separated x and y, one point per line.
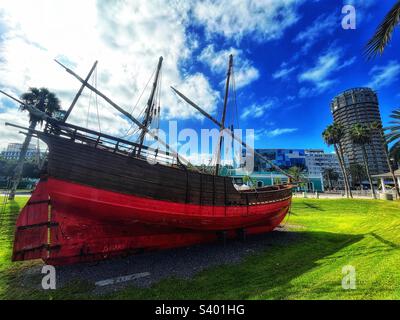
221	136
206	114
125	113
79	93
149	110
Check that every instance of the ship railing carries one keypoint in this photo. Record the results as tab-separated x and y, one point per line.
109	143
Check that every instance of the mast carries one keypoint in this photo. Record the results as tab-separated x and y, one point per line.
125	113
219	124
78	94
222	126
149	108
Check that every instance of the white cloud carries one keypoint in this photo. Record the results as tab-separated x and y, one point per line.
262	133
245	73
126	37
281	131
320	74
382	76
198	89
10	134
284	72
322	26
256	110
261	19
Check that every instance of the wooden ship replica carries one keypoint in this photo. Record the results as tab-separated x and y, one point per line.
99	197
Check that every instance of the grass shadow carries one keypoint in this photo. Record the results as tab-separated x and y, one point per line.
384	241
312	206
286	256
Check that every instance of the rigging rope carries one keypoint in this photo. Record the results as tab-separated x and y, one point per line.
127	134
96	102
88	112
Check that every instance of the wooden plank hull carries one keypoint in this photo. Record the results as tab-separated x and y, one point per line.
96	203
106	170
88	224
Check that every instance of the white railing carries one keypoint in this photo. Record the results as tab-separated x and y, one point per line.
362	194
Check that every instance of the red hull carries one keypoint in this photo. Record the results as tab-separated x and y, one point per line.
87	224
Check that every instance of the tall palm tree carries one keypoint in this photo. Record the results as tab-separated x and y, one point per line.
394	130
361	135
393	135
330	175
298	175
357	172
383	34
377	127
333	136
45	101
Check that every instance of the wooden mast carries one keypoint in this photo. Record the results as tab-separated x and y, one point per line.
78	94
207	115
222	126
149	108
126	114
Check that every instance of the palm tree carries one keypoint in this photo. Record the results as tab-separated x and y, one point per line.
377	127
394	130
361	135
297	174
330	175
45	101
357	172
393	136
333	136
383	34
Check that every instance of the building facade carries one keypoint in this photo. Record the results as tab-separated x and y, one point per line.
262	179
317	162
14	149
313	161
284	158
360	105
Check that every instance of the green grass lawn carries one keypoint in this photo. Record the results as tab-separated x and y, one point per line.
327	235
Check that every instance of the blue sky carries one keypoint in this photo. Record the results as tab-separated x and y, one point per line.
287	106
291	58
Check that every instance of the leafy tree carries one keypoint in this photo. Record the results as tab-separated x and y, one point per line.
361	135
45	101
277	180
333	136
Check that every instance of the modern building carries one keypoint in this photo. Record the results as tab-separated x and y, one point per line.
313	161
14	149
317	161
360	105
313	183
284	158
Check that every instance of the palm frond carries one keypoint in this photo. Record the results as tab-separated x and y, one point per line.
393	128
393	136
384	33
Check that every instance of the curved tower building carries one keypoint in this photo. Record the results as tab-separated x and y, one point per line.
360	105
